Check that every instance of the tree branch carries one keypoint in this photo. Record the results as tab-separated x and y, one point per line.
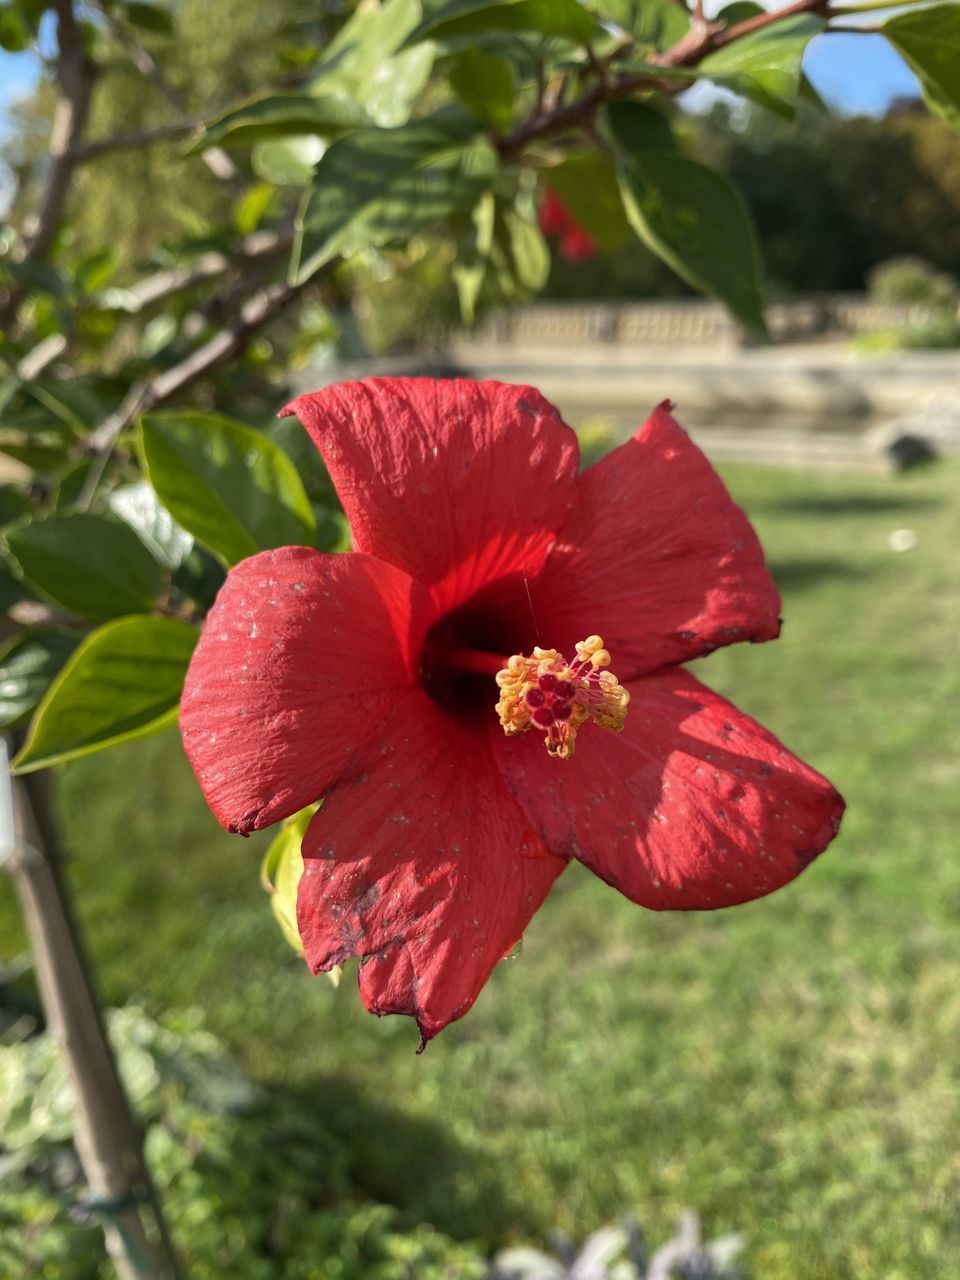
215	158
259	310
702	38
76	75
134	141
257	247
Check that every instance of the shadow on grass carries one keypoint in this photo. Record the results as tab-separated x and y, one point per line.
804	572
410	1162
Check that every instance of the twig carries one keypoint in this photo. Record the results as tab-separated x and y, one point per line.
702	38
215	158
258	246
134	141
259	310
76	75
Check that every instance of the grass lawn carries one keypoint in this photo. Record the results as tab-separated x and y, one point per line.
790	1068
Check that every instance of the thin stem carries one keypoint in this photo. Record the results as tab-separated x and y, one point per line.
869	6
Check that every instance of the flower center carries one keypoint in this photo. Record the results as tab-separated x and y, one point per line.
546	692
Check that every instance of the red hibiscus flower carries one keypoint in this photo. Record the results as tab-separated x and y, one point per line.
576	244
371	679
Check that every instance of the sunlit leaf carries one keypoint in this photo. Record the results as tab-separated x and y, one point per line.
28	663
766	65
138	506
230	486
929	40
281	870
379	184
124	681
658	23
282	115
475	17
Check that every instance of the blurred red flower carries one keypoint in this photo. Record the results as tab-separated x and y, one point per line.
576	244
368	678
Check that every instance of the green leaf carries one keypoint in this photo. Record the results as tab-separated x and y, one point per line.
288	162
281	115
124	681
138	506
88	564
767	65
362	62
27	665
376	185
525	249
476	17
929	41
14	32
14	504
693	219
281	870
473	256
586	182
484	84
658	23
148	17
230	486
639	128
253	205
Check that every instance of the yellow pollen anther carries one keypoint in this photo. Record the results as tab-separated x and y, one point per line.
545	692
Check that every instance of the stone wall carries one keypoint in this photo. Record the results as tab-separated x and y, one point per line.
819	317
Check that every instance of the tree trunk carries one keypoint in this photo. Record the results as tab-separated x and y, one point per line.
108	1141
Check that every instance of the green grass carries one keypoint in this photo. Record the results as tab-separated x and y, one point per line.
790	1068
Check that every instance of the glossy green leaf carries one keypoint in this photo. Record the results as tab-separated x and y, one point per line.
767	65
288	162
282	115
929	41
363	62
379	184
230	486
484	84
138	506
586	182
657	23
281	870
27	665
693	219
88	564
566	18
124	681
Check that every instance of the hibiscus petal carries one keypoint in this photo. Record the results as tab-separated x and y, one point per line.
693	806
457	482
301	656
420	861
657	559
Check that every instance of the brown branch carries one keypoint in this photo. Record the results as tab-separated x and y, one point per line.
263	307
134	141
257	247
215	158
76	75
702	38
